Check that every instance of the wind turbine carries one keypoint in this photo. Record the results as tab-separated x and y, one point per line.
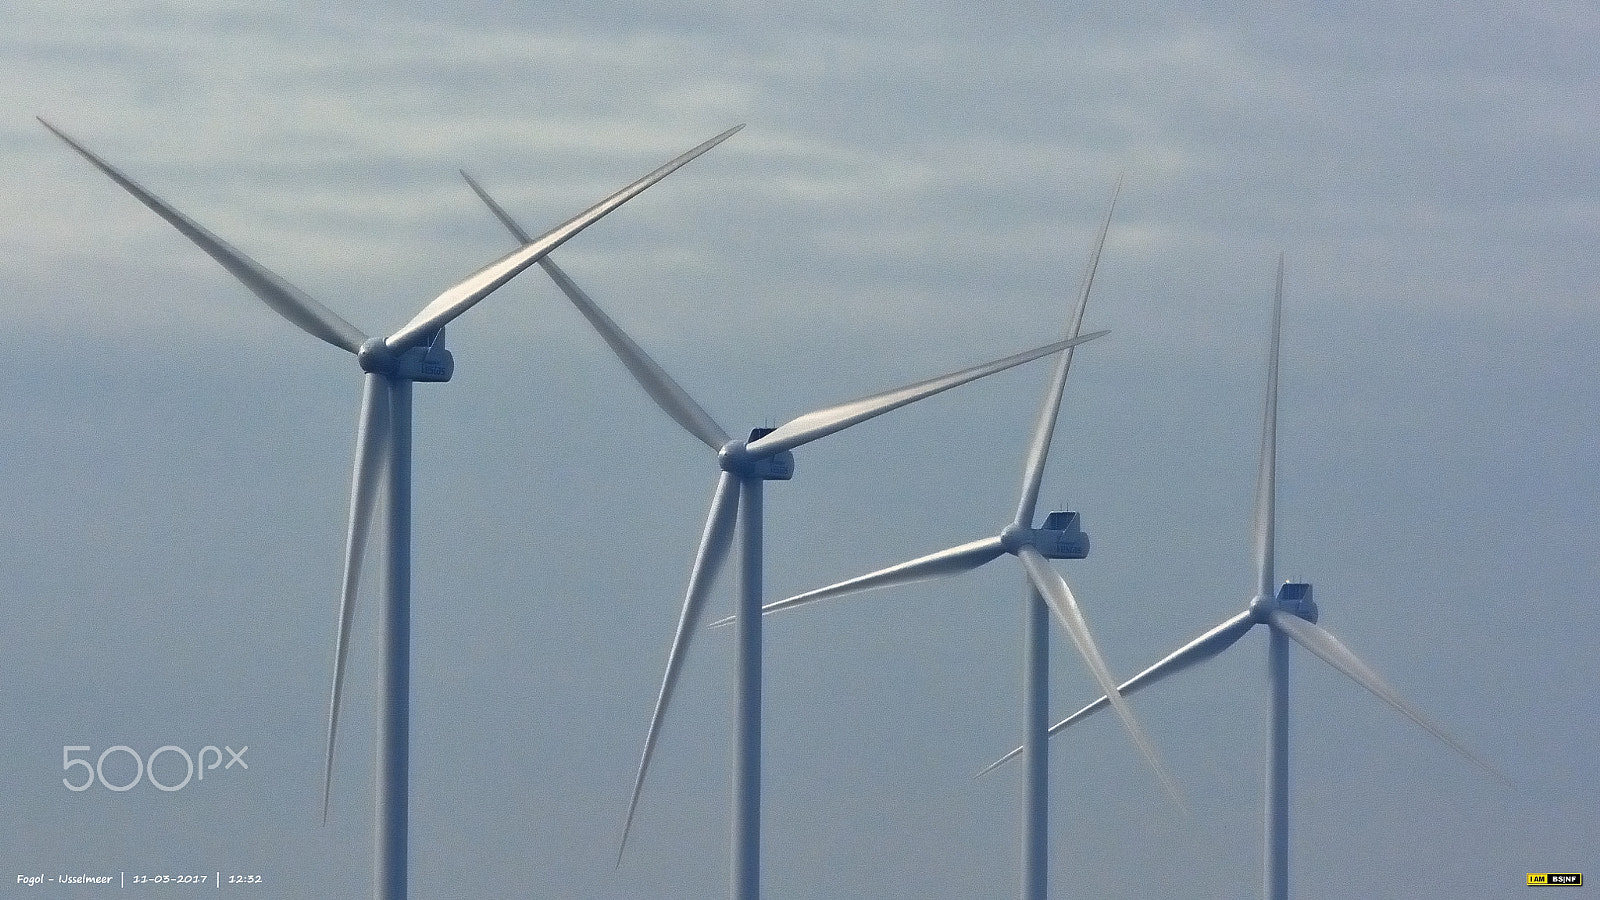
383	453
737	500
1289	614
1061	537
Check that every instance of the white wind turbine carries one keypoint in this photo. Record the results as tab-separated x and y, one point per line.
1290	614
383	452
1060	538
746	464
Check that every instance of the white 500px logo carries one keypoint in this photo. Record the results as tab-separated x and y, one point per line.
146	768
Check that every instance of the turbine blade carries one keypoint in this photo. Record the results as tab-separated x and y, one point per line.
661	387
1050	411
935	565
1322	643
807	428
284	298
463	296
1198	650
1053	588
372	451
1265	476
498	210
714	544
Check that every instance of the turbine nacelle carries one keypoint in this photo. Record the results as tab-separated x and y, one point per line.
1061	537
735	458
1293	597
430	362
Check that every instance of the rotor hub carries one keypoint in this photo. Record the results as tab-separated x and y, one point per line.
733	457
376	358
1260	606
1015	537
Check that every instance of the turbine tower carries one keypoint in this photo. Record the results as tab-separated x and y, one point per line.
1289	614
1046	593
737	501
383	454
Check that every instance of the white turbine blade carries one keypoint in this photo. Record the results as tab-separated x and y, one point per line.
1265	475
1322	643
714	544
953	561
807	428
1198	650
661	387
498	210
373	442
1044	431
284	298
467	293
1050	585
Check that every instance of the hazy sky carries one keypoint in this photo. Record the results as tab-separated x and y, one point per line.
916	191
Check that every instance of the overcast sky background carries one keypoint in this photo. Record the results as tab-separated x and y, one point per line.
916	191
